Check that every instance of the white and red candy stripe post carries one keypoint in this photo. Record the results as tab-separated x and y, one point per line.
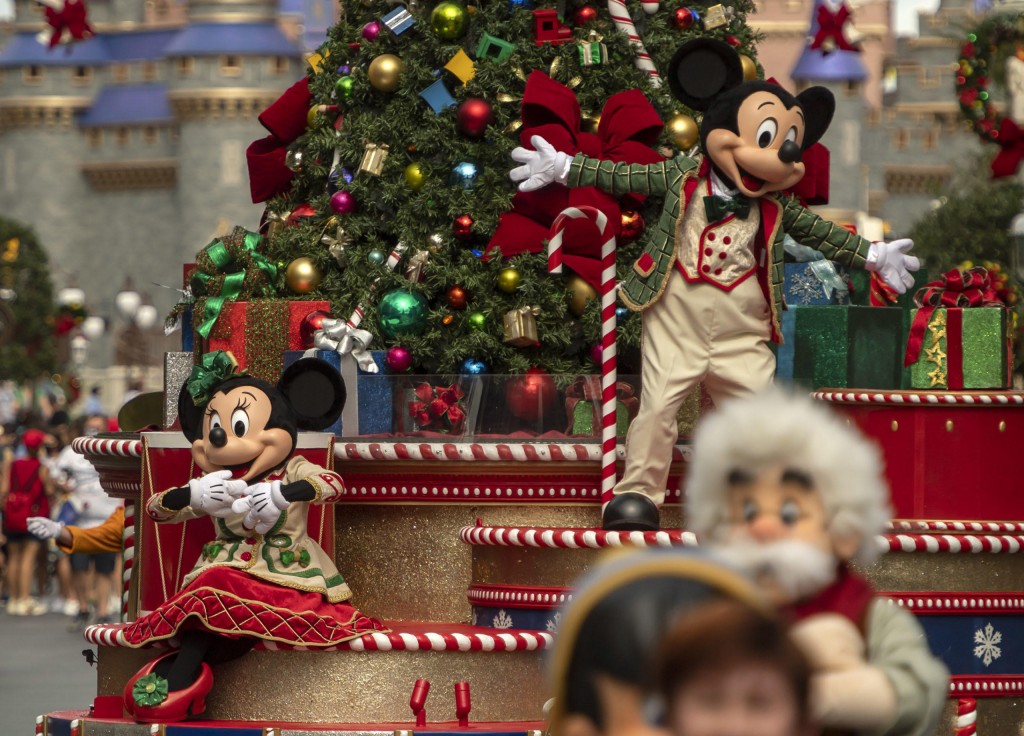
392	264
966	717
128	556
609	362
642	60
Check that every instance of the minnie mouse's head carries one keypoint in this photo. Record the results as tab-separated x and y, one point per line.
248	426
755	132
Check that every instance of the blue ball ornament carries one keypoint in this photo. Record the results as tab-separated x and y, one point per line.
473	367
402	313
621	313
376	257
463	175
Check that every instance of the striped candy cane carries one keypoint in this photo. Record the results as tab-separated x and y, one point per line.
392	264
966	717
609	367
617	9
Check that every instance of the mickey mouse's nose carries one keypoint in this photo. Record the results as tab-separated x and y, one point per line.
218	437
790	153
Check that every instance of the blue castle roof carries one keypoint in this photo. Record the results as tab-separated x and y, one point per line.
23	49
138	45
214	39
129	104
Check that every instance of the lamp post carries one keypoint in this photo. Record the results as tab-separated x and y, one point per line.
140	317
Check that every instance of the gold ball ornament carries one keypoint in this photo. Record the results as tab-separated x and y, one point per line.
580	294
303	276
385	72
749	68
682	131
509	279
414	177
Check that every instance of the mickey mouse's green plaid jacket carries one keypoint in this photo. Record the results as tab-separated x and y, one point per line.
675	180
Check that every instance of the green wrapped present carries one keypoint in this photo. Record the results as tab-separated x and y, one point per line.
842	346
963	348
592	53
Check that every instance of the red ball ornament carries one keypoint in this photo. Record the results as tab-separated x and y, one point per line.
584	15
457	297
531	395
632	226
683	19
310	324
474	116
463	227
398	359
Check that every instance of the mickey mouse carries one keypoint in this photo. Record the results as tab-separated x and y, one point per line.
709	282
261	577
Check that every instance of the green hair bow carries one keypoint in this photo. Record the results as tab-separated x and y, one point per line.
213	369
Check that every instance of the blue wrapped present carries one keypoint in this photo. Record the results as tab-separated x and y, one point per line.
785	352
188	337
368	408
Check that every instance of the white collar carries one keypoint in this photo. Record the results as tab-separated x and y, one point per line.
718	186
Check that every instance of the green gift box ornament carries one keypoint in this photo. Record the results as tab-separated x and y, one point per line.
592	52
958	337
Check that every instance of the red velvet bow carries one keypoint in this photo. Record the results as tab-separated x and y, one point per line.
830	26
71	19
286	119
955	288
629	127
1011	149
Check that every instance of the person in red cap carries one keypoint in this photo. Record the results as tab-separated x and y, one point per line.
25	488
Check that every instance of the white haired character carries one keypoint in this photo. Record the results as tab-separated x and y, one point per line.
788	491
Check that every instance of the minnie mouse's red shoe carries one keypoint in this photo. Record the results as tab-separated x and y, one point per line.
147	698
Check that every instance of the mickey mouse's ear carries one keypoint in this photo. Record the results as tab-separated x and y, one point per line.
701	70
314	391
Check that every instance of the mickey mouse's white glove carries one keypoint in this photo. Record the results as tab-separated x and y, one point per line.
214	493
891	262
540	167
43	528
262	505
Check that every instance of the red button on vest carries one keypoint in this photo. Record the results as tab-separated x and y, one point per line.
708	251
718	271
251	540
711	236
727	240
246	556
722	255
705	269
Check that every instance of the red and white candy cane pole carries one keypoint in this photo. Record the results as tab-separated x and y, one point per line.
609	363
642	60
392	264
966	717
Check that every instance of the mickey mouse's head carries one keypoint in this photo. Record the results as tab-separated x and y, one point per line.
755	132
250	427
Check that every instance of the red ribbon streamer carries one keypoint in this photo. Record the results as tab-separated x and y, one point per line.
830	26
629	127
1011	149
954	349
880	294
955	288
71	19
286	120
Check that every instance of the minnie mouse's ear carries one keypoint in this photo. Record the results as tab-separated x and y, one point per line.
314	391
190	416
701	70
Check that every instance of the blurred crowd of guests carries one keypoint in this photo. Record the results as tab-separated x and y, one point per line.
43	481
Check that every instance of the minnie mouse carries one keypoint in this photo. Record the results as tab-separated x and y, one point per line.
709	282
261	577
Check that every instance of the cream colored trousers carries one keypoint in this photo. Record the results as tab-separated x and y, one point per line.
693	333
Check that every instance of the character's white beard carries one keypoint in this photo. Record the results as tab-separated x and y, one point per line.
797	568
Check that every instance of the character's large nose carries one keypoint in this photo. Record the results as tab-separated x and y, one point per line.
790	153
218	437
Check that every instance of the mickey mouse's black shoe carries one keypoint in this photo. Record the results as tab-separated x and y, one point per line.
631	512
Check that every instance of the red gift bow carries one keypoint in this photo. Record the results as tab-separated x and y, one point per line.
1011	149
71	19
438	405
830	26
286	119
955	288
629	127
880	293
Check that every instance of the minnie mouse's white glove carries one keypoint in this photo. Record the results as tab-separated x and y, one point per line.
891	262
540	167
214	493
262	505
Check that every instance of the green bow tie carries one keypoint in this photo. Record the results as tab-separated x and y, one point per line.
718	207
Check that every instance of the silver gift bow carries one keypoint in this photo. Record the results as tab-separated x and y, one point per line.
339	337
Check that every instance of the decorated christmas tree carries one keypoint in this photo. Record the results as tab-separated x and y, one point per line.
386	171
27	323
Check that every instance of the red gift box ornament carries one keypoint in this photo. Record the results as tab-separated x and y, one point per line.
954	289
629	127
